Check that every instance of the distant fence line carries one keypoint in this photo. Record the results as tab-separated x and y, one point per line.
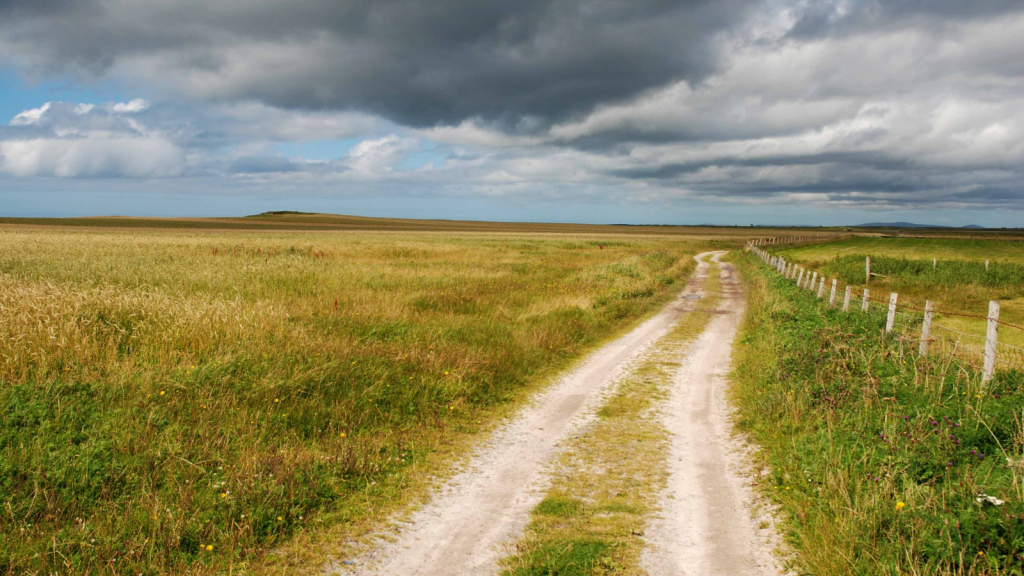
983	352
773	240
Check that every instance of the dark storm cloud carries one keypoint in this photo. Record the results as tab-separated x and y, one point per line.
863	103
520	65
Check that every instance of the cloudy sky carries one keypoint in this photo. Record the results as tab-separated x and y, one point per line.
684	111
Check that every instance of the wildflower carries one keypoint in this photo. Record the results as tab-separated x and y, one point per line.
900	505
276	400
279	519
209	547
342	434
161	392
445	372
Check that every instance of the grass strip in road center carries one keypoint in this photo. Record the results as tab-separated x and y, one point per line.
606	483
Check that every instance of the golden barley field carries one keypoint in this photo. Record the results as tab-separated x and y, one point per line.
183	400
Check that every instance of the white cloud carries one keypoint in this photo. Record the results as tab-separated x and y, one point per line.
379	156
31	116
92	157
136	105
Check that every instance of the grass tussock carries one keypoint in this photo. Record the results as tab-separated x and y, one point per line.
605	485
877	458
182	401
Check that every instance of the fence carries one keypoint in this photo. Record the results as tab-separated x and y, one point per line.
985	353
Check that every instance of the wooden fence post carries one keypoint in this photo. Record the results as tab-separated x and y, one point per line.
800	278
846	299
986	265
935	263
821	286
865	301
832	296
926	329
991	341
890	321
867	270
814	279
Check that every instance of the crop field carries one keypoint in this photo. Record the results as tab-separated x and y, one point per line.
184	400
881	462
958	282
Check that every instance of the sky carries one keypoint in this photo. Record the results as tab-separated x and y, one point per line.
770	112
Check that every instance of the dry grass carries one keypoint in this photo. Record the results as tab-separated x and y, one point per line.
183	400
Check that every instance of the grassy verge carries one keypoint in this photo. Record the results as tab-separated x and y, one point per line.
605	485
181	402
877	457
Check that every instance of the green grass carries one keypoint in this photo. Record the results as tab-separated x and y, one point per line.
912	248
958	283
573	557
875	456
183	401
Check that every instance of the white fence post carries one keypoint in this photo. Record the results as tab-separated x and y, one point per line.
991	341
821	286
800	278
935	263
926	329
846	299
867	270
890	321
986	265
865	301
832	296
814	280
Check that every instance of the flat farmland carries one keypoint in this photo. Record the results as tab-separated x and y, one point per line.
182	400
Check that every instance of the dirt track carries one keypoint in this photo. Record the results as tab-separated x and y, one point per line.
470	521
705	526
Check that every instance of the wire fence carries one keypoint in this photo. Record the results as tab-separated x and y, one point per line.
908	323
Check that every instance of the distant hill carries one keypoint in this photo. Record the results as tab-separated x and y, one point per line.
896	225
911	225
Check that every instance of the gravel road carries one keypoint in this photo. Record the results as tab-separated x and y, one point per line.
471	520
705	526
